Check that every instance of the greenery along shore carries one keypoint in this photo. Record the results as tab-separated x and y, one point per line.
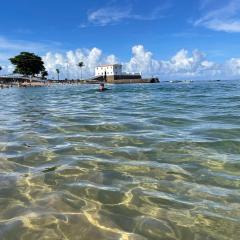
31	69
31	65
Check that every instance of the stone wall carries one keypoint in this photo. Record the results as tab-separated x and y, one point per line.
146	80
115	78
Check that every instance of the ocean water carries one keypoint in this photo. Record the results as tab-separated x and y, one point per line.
138	162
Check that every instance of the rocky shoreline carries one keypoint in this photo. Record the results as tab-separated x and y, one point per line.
24	82
23	85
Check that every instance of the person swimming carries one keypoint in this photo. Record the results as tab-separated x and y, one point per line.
102	87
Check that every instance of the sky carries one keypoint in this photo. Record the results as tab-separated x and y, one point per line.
171	39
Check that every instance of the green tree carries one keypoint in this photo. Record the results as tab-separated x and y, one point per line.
27	64
81	65
58	72
44	74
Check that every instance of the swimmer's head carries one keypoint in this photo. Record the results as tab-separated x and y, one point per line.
101	87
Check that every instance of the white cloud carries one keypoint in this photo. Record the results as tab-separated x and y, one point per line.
6	69
67	63
111	59
228	26
233	67
142	61
108	15
183	64
225	18
179	66
114	14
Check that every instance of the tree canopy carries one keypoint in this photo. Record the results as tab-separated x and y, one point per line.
58	72
81	64
27	64
44	74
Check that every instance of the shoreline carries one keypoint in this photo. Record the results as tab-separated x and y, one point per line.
25	84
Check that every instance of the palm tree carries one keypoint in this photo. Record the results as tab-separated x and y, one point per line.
58	72
81	65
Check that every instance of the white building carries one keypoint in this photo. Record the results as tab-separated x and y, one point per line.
108	70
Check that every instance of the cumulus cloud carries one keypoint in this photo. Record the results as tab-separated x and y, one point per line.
189	65
142	61
6	69
111	59
183	65
225	19
233	67
68	63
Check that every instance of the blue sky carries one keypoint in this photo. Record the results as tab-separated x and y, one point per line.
163	29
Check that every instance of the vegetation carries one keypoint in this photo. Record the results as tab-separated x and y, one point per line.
0	68
44	74
28	64
81	65
58	72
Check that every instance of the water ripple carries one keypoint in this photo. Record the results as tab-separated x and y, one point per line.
135	163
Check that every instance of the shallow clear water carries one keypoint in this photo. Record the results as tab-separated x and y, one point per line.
157	161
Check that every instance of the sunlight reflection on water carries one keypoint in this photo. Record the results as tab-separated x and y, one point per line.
157	161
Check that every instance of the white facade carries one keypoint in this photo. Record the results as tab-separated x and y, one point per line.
108	70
